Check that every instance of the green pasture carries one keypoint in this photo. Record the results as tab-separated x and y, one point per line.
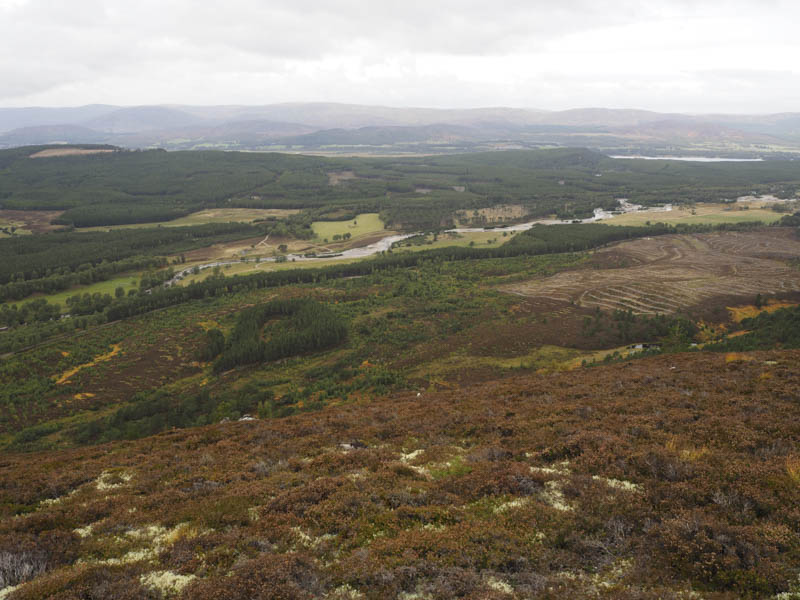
701	214
363	225
128	281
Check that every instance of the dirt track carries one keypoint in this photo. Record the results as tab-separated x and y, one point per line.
667	273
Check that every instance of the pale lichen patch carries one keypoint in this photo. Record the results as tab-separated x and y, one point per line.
792	594
538	537
310	541
59	500
619	484
511	504
422	471
151	532
553	496
611	576
414	596
153	539
106	480
498	585
131	557
84	531
345	592
166	583
357	475
411	455
6	591
561	468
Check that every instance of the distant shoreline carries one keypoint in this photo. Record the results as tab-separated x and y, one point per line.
691	158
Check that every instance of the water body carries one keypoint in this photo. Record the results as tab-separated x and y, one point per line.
386	243
707	159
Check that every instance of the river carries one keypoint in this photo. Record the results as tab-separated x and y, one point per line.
386	243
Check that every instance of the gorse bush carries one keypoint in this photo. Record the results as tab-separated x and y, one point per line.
767	330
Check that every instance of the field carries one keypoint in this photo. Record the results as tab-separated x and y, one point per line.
212	215
670	273
444	240
494	214
700	214
29	221
58	152
127	281
254	250
363	225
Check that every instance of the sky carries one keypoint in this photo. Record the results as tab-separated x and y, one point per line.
732	56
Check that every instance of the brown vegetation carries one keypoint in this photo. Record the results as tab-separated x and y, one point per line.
337	177
35	221
638	480
669	273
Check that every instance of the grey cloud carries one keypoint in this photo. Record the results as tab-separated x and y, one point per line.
310	29
412	52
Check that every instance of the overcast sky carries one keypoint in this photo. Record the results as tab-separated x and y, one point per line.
684	56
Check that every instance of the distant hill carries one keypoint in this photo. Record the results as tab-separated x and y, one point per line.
332	127
784	125
17	118
51	134
323	115
256	131
236	135
607	117
143	118
683	130
379	136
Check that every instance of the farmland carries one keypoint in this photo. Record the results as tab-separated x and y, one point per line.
126	281
25	221
202	217
360	226
702	213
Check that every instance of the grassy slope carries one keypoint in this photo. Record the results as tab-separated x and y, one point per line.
444	240
366	224
536	486
127	281
704	214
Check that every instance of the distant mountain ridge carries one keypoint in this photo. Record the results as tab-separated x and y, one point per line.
304	127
